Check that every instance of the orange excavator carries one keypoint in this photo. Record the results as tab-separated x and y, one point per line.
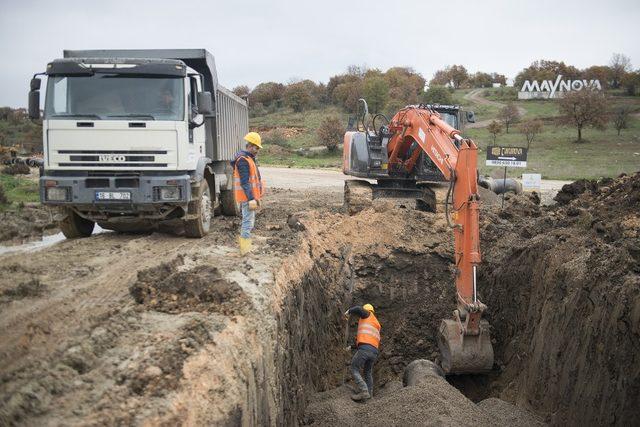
398	150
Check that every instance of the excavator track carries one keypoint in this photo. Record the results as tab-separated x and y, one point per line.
360	194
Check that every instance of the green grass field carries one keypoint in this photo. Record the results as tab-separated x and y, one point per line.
555	156
18	189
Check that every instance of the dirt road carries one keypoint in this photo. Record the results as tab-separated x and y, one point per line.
476	97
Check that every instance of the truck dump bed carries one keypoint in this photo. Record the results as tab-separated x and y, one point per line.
230	121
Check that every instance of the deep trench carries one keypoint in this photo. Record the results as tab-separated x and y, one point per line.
538	365
411	292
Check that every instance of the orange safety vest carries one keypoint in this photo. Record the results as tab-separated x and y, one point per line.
368	331
255	181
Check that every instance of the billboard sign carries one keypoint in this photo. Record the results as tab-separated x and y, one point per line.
555	88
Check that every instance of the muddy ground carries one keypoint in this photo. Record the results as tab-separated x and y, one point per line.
26	223
160	329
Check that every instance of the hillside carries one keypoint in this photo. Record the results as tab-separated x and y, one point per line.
553	153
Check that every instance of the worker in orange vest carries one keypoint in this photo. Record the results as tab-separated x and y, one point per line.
367	343
248	187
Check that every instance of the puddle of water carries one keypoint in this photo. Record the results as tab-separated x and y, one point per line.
44	243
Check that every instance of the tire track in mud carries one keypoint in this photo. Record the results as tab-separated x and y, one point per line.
95	288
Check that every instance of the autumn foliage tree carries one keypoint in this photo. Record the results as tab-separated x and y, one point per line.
495	129
242	91
299	95
584	108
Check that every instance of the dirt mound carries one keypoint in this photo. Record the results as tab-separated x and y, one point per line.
169	289
431	403
563	289
25	223
505	414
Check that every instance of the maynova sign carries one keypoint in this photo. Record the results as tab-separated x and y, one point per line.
551	89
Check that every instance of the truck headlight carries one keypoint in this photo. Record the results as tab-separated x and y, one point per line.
170	193
58	194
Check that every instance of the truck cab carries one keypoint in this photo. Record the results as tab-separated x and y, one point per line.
136	138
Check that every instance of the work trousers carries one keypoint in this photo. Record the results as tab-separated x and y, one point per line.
363	360
248	220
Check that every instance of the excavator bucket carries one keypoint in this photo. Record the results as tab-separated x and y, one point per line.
464	354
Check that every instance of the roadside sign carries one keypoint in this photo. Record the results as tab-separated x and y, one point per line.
515	157
531	181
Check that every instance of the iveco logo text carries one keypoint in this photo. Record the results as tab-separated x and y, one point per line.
435	153
111	158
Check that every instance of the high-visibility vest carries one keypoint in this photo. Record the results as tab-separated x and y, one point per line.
254	181
368	331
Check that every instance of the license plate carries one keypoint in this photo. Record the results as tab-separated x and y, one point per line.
113	195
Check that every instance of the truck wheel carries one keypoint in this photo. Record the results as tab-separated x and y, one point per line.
228	203
74	226
202	208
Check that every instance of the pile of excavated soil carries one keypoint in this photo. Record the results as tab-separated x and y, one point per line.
29	222
434	403
563	288
167	289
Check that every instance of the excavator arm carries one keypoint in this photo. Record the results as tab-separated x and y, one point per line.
464	341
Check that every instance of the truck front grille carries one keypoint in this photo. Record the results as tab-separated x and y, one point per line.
112	158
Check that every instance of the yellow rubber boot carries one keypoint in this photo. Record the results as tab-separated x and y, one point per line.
245	246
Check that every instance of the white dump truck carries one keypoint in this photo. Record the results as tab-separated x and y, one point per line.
136	138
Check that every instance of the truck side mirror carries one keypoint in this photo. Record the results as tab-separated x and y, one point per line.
34	99
205	103
471	117
35	84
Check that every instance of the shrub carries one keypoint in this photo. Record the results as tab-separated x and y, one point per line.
276	137
17	169
495	129
331	132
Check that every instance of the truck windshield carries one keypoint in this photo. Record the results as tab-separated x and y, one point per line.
114	97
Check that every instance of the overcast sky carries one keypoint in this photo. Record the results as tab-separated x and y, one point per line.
256	41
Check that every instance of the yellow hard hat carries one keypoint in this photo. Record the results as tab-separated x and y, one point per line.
254	138
369	307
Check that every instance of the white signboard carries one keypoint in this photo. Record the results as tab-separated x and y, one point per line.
508	163
531	181
555	88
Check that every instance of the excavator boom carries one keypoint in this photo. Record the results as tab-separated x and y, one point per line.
464	341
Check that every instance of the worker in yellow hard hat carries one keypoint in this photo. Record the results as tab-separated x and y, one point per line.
248	187
367	344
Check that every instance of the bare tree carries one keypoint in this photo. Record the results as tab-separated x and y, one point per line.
582	109
530	128
620	65
495	129
621	117
509	114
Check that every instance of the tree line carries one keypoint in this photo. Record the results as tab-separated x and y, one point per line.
399	86
617	75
